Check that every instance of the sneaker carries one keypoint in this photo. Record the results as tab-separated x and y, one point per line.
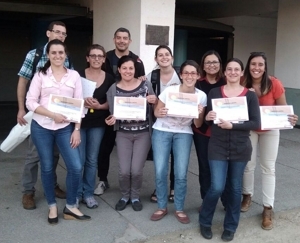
121	205
28	201
227	235
100	188
90	202
137	205
206	232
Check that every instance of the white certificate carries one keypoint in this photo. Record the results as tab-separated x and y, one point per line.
234	109
88	87
69	107
130	108
182	104
275	117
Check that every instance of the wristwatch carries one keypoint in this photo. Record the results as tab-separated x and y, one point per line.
77	129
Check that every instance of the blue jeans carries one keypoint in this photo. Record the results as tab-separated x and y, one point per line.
220	170
181	143
201	146
31	167
45	140
89	148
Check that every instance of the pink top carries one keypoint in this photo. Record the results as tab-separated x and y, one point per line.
43	85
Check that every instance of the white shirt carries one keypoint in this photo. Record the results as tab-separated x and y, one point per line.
177	124
173	81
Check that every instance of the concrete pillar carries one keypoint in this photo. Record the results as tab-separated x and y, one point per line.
287	59
133	15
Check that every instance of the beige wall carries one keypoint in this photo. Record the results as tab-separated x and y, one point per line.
155	12
287	64
134	15
253	34
110	15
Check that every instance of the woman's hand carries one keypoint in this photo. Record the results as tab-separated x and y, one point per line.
225	124
162	112
200	109
110	120
211	116
142	78
59	118
293	119
151	99
91	103
75	139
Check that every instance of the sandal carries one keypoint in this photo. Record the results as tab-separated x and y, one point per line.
153	197
171	196
182	217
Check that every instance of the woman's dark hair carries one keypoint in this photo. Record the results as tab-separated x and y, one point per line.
208	53
121	61
235	60
50	43
189	63
93	47
163	47
266	83
124	59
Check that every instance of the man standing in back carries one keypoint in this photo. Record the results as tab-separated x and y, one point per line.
122	40
34	60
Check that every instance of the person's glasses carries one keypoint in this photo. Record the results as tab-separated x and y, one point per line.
214	63
59	33
186	74
94	56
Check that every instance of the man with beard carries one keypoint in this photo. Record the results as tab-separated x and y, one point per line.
122	40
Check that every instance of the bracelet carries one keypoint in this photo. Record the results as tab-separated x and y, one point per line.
77	129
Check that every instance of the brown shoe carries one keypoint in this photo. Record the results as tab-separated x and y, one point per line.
246	203
182	217
159	214
28	201
267	214
59	193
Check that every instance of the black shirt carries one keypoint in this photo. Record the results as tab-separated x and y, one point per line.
111	65
97	117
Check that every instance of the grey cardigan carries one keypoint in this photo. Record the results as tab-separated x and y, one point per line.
111	93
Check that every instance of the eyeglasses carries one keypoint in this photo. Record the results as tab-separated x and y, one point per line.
214	63
59	33
193	74
94	56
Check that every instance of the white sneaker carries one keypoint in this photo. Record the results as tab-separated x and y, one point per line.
100	188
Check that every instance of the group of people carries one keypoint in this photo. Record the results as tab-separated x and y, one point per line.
226	151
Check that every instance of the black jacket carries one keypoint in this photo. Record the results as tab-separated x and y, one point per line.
233	144
111	65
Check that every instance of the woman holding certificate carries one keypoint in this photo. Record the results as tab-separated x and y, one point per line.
48	128
164	76
270	92
127	97
229	150
93	124
172	131
211	77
